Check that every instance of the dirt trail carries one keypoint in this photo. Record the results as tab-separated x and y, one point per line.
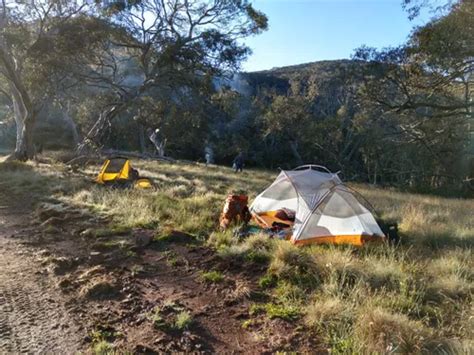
33	316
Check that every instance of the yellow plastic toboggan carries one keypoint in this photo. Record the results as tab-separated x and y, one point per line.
118	171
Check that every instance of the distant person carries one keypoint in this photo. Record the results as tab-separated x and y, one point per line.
208	155
207	158
238	163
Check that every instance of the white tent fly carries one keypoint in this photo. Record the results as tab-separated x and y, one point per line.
324	209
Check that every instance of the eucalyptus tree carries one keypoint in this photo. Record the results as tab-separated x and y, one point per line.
290	121
27	28
174	47
427	83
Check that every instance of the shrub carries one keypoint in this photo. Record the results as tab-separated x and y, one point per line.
158	321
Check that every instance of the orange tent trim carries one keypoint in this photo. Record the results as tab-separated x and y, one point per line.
357	240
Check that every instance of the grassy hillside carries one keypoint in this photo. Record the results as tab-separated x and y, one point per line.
413	298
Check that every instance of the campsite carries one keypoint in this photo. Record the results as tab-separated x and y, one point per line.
129	262
242	176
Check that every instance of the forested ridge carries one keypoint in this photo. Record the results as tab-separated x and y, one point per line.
396	116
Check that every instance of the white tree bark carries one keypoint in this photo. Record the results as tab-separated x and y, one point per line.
25	116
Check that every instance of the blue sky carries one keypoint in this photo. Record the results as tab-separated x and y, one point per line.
302	31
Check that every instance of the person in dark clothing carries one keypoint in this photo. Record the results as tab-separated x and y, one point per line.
239	162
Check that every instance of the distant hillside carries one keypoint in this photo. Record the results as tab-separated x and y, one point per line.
329	83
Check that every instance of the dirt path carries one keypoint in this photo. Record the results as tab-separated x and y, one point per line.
33	317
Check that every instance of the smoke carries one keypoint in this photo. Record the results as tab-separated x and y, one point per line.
237	83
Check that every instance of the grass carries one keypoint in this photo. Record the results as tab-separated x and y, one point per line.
414	298
272	310
212	276
171	317
183	320
101	344
103	347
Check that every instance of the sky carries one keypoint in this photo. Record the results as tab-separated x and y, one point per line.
302	31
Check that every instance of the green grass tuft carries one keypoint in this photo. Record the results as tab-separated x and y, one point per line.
212	276
183	320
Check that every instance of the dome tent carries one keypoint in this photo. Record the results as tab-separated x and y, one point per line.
325	210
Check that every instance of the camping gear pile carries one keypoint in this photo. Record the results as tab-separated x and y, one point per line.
235	210
317	207
118	172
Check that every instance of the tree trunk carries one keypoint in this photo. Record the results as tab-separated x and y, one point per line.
25	149
25	115
159	144
96	134
25	118
294	150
